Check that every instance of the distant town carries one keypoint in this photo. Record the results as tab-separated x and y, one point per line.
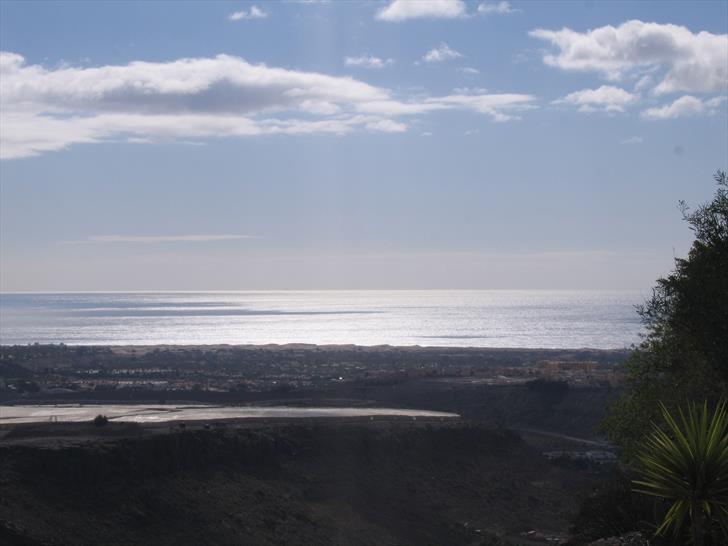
59	370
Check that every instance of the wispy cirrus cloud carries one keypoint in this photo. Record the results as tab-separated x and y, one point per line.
253	13
500	107
201	98
684	61
403	10
157	239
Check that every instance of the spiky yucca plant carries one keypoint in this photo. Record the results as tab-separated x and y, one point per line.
687	464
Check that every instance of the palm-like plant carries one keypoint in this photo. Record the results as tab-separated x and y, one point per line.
687	464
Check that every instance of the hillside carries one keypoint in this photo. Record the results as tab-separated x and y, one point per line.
341	481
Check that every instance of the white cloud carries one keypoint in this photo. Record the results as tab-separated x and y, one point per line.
498	106
397	108
469	70
687	61
606	98
686	105
386	126
644	83
442	53
254	13
367	61
402	10
221	84
199	99
321	107
632	140
45	110
499	8
154	239
426	134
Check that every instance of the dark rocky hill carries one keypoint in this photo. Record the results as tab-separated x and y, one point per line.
355	482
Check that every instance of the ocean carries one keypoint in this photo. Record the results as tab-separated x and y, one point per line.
458	318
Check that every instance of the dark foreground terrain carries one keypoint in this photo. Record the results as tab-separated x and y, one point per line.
323	481
506	471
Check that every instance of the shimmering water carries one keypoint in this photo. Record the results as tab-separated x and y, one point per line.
497	318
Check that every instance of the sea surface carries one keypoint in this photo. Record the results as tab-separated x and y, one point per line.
483	318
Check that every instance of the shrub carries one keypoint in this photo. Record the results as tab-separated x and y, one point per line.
687	464
101	421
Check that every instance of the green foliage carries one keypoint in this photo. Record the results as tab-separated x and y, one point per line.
687	464
684	354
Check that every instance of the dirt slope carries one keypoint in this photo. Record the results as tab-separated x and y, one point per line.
325	482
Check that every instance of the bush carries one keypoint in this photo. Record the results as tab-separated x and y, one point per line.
100	420
687	465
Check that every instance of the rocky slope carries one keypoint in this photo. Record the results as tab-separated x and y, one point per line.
315	482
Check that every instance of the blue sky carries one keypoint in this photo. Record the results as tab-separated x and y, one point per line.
442	144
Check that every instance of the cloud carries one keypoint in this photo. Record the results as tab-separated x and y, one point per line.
686	61
386	126
254	13
606	98
221	84
500	107
402	10
442	53
155	239
644	83
469	70
199	99
498	8
368	61
632	140
686	105
497	106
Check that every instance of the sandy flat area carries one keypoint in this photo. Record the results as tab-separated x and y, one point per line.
162	413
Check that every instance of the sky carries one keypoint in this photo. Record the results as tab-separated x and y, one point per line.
355	145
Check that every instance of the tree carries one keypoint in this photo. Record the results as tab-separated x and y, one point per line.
687	465
684	353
